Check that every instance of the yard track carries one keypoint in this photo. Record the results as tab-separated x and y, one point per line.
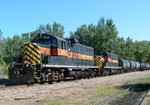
4	83
116	95
144	98
136	95
7	85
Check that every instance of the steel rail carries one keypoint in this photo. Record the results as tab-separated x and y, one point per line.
143	100
116	95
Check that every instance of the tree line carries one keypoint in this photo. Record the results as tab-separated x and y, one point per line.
103	36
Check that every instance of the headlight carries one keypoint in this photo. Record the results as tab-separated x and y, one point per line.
27	65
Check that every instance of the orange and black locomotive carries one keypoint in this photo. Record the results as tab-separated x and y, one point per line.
50	58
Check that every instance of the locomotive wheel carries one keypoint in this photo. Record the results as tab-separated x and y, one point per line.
50	82
91	74
42	78
87	74
75	78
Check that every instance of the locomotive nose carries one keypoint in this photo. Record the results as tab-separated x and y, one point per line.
31	53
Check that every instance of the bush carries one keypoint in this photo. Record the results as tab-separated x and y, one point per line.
3	68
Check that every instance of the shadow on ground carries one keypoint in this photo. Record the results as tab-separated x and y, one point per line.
4	81
140	87
137	88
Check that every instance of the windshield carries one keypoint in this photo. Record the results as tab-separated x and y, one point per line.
46	42
99	54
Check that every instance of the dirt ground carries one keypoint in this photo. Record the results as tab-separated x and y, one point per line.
66	90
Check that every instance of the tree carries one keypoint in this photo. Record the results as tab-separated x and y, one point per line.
49	29
104	34
142	51
8	50
33	34
111	35
1	35
16	44
55	29
1	47
25	38
130	48
119	47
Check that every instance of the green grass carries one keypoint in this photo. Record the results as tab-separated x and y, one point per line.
92	97
146	80
123	94
104	91
63	102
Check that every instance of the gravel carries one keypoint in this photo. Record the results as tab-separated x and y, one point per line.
32	95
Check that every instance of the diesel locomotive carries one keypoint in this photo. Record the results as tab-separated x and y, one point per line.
50	58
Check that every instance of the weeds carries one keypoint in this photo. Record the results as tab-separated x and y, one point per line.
63	102
104	91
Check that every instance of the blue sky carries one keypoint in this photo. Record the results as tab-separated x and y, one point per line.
131	17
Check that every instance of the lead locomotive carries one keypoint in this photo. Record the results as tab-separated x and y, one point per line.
49	58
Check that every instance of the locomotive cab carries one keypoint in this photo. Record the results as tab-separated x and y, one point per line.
50	48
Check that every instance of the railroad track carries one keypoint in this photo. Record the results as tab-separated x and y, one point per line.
112	100
4	83
8	86
144	98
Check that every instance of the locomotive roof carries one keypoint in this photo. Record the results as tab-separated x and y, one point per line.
59	38
48	36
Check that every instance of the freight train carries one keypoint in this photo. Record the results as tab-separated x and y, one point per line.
50	58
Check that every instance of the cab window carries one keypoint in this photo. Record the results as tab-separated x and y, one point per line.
62	45
46	42
54	42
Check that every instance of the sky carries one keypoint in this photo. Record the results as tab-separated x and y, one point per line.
131	17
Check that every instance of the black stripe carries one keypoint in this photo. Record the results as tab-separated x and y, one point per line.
32	53
26	59
33	50
30	57
35	46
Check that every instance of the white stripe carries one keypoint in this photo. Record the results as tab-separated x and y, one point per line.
112	67
69	66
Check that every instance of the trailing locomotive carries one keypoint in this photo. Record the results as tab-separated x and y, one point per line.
50	58
109	61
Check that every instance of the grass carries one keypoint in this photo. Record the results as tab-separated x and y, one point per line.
124	94
146	80
143	86
100	93
104	91
91	97
63	102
